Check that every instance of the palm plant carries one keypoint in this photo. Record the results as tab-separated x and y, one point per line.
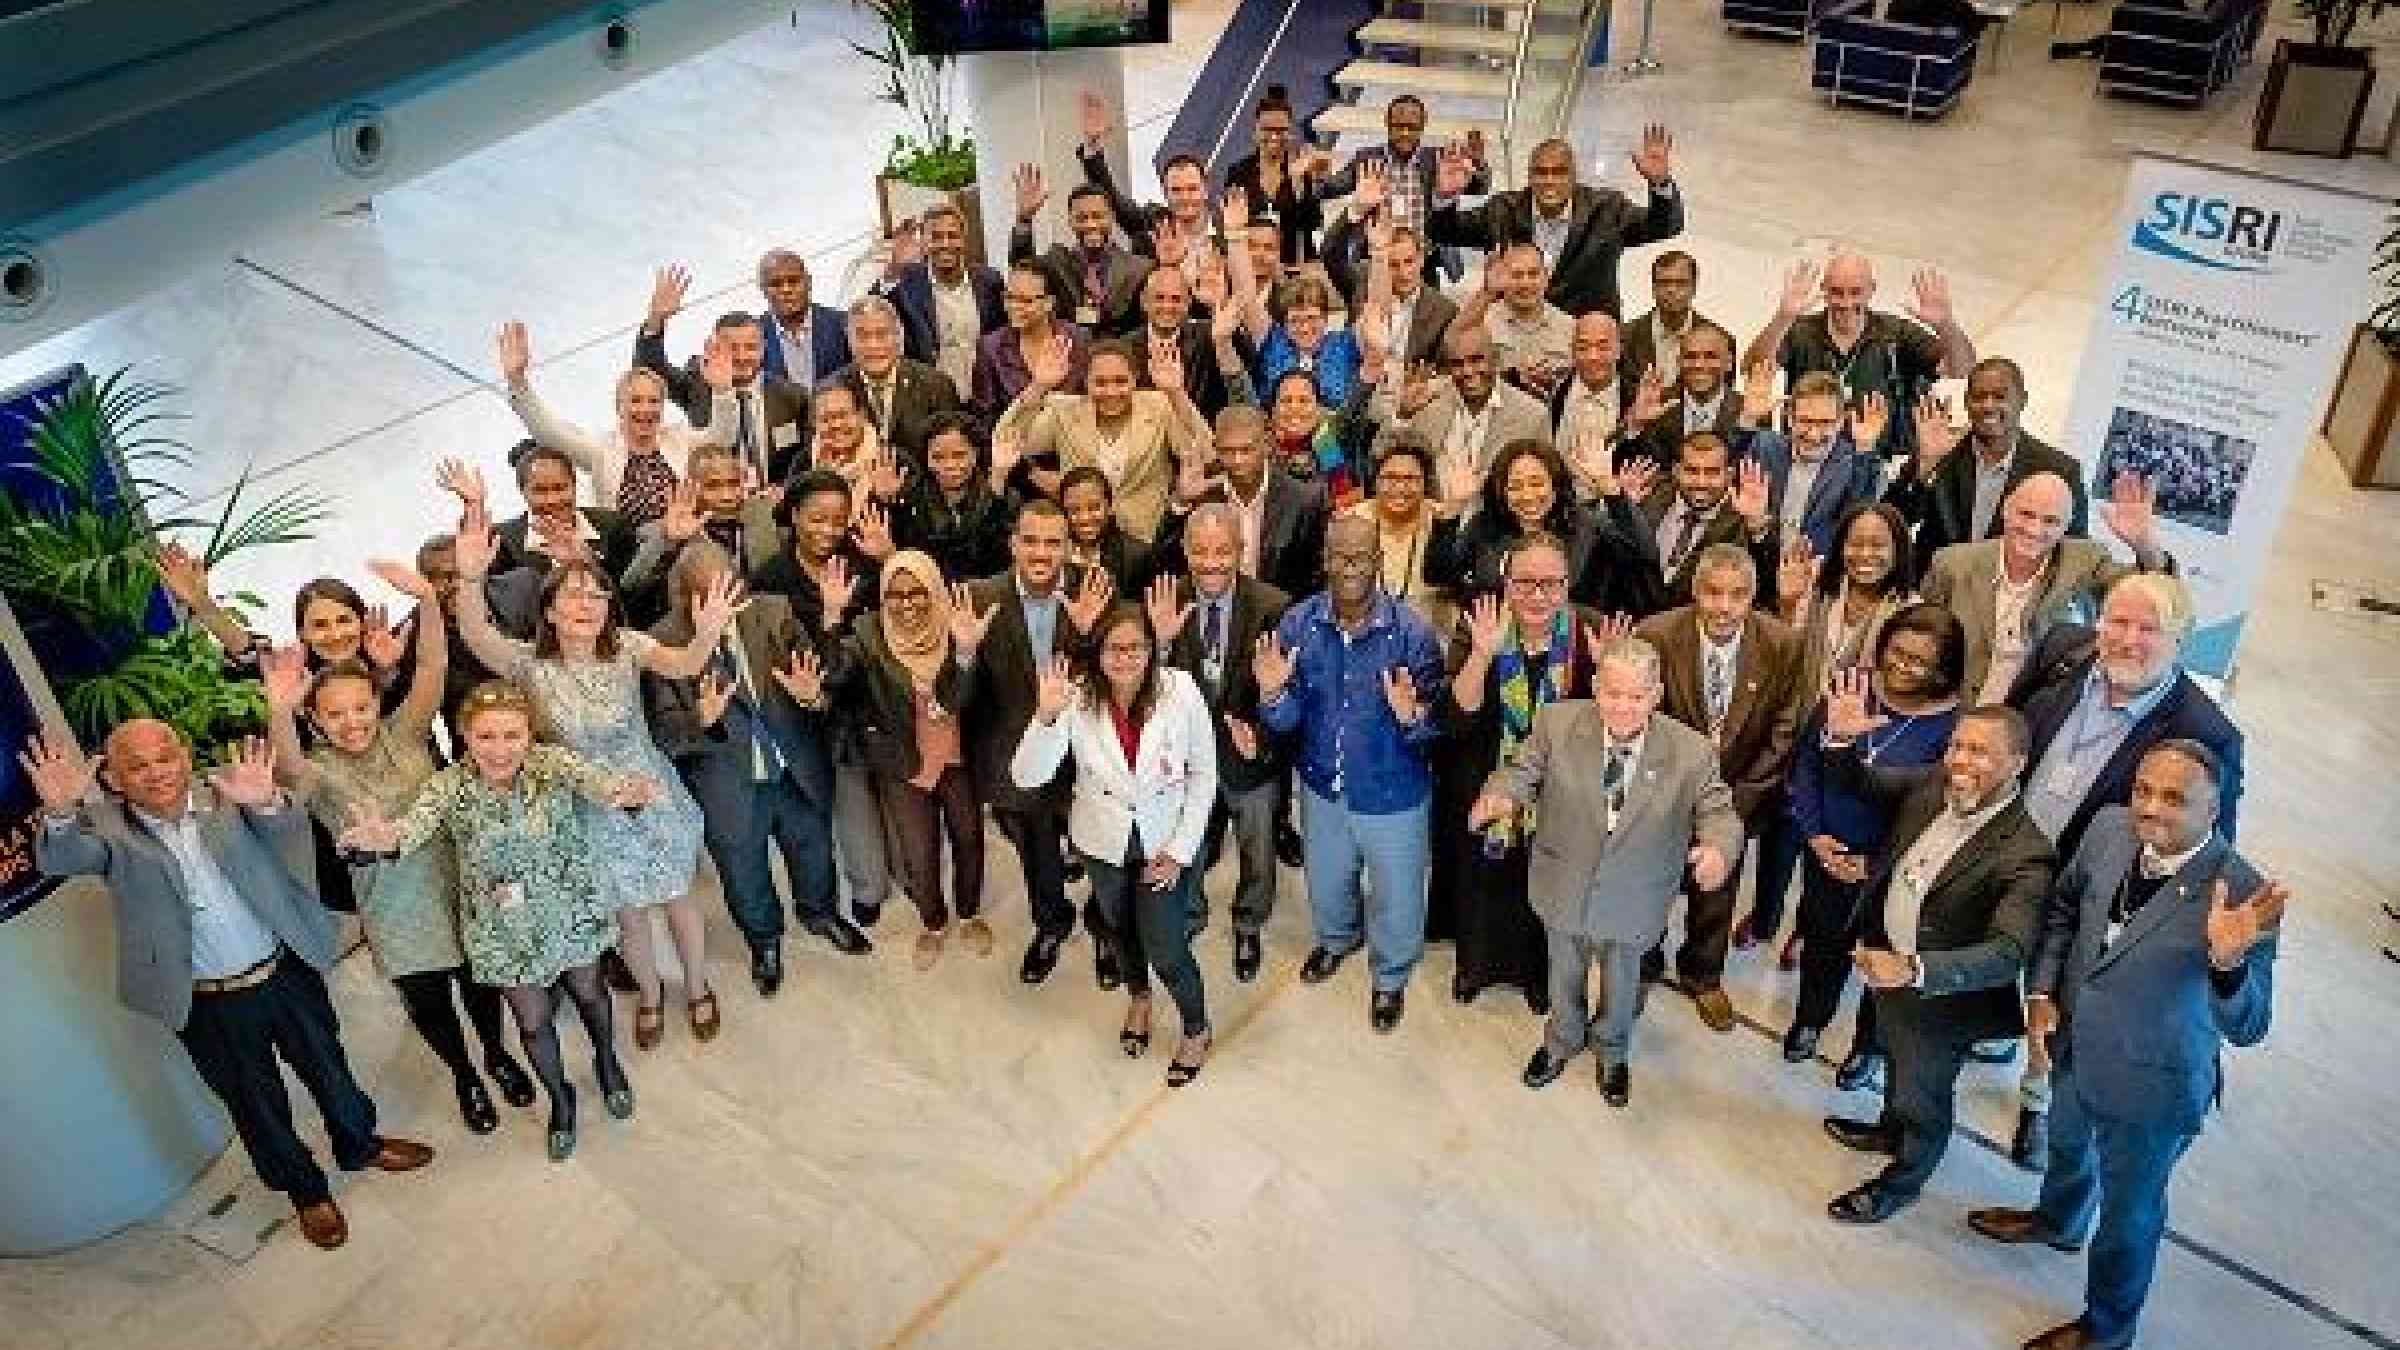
79	560
922	84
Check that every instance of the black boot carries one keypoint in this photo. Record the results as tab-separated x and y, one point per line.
2031	1148
516	1088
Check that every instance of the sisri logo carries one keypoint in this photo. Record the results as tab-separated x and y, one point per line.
2209	232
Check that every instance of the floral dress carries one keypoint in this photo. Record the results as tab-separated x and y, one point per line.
595	709
409	908
529	907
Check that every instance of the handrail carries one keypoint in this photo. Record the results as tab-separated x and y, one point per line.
1560	116
1516	89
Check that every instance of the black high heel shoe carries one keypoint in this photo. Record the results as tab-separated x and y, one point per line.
516	1088
1135	1044
1179	1073
561	1141
616	1090
475	1106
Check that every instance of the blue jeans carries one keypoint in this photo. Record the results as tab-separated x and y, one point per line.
2118	1171
1395	850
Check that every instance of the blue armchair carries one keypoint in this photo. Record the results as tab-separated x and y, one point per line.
2177	55
1772	18
1911	69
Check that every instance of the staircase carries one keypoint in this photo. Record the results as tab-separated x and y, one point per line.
1510	70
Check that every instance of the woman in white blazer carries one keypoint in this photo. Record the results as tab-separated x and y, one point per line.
1145	749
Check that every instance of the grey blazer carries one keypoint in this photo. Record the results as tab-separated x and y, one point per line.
1964	579
1607	885
1516	416
2141	1018
154	920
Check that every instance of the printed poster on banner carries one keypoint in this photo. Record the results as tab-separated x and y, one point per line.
2221	328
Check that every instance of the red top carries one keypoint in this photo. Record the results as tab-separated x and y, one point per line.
1129	731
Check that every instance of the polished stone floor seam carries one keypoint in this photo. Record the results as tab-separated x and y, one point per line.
393	336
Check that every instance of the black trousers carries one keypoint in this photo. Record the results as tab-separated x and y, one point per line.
234	1039
1828	930
1034	832
1921	1102
1779	848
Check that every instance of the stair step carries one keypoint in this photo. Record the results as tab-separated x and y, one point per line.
1549	10
1463	37
1366	120
1449	80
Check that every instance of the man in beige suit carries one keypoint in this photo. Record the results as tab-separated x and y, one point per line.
1468	416
2011	590
1626	799
1137	437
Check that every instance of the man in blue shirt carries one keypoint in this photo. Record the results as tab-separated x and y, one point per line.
1341	678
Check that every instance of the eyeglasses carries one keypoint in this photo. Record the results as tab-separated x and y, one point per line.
1133	650
1901	656
1538	585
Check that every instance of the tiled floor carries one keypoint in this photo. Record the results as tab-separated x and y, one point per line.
883	1157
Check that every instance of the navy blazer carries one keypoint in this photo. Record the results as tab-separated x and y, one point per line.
2047	691
2143	1018
829	332
912	295
715	759
1846	479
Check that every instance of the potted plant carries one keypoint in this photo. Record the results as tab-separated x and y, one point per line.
937	161
79	530
2317	91
2362	423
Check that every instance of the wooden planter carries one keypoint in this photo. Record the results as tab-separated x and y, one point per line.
2362	424
899	201
2313	99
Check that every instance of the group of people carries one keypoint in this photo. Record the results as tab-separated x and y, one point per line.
1215	527
2197	474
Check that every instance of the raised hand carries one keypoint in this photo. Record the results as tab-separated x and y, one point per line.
716	695
1167	245
1929	298
2233	929
908	246
1050	363
475	547
1209	286
1233	209
967	624
802	676
1374	186
61	774
1271	665
2131	512
1316	164
1400	693
1192	479
1795	572
1096	119
284	673
1652	159
516	353
1936	437
1487	626
886	475
247	777
1873	414
1460	484
1614	627
184	576
1750	494
378	640
1416	388
1380	229
667	289
1031	194
1474	145
1168	611
1649	397
716	608
1490	808
1008	451
1224	319
402	578
633	792
1846	715
1166	364
457	478
1244	736
1593	457
716	363
1709	867
837	587
1636	476
1084	607
1055	689
1799	290
872	531
1451	171
681	519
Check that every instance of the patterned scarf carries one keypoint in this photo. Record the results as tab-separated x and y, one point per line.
1525	689
1322	456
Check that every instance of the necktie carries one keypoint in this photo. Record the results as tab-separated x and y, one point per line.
1212	645
1612	781
745	435
1095	278
727	535
1679	527
1720	687
879	401
729	662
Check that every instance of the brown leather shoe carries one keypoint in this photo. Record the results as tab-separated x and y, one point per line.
2017	1225
649	1027
707	1019
2071	1336
400	1155
1715	1009
323	1225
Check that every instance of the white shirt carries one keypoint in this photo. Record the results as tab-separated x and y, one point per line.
1403	318
2012	604
799	346
1699	416
1797	485
1253	515
227	935
1922	865
603	459
957	326
1591	414
1164	797
1468	433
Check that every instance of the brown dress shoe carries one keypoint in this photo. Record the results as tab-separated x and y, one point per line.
1715	1009
707	1019
2017	1225
323	1225
400	1155
2071	1336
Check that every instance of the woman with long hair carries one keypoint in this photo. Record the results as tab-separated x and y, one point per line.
583	674
1145	748
531	916
409	910
961	507
1612	561
1402	510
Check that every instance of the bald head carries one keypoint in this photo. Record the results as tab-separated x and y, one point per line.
1595	350
2034	516
1849	284
1353	562
147	763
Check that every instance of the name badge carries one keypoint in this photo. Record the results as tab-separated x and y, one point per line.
784	436
1087	315
508	894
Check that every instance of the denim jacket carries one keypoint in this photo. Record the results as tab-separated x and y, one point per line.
1334	708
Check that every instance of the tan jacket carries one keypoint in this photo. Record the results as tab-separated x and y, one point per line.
1157	434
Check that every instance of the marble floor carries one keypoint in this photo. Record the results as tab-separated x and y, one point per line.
882	1157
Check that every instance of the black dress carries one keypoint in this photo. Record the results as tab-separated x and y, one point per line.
1478	900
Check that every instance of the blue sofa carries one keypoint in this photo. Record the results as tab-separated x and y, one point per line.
1910	69
2178	55
1772	18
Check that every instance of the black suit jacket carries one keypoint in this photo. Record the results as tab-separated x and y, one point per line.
1637	349
1291	544
1605	223
784	411
919	393
1202	380
876	698
1977	926
1431	312
1006	691
1299	209
513	541
1663	438
1724	527
2053	680
912	295
1940	508
1257	607
715	760
1119	303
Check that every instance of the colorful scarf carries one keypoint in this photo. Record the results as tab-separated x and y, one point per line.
1323	457
1525	689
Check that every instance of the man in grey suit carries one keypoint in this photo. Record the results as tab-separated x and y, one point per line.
1627	801
1468	417
217	939
2157	947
